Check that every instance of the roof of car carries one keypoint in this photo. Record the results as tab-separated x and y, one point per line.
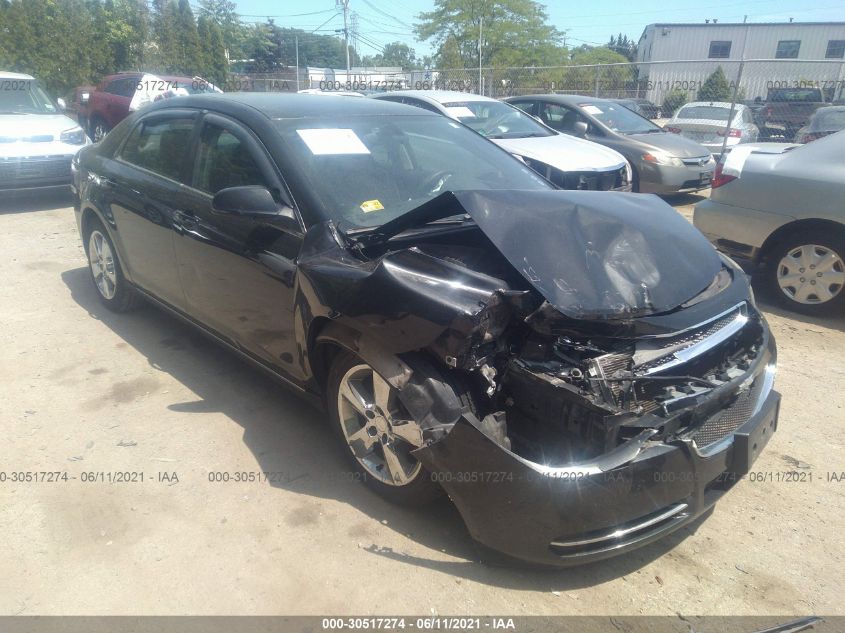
714	104
567	99
439	96
293	106
7	74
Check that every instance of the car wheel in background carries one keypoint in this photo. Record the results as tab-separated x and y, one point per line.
99	129
111	286
806	272
378	433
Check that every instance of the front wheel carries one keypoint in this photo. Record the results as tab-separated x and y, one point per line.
807	273
378	432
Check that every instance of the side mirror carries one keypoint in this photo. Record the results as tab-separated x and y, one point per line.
84	98
61	103
253	200
580	129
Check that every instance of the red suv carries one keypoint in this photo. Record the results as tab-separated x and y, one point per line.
118	95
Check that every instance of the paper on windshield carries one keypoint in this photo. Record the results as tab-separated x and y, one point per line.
460	112
590	108
332	141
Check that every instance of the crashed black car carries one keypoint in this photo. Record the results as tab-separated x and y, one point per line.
579	371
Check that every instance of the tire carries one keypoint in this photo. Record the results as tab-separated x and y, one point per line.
99	129
106	274
811	256
635	180
367	436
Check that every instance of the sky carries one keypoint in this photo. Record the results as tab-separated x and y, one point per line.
383	21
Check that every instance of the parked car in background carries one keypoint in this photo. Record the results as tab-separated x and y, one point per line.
118	95
789	109
661	162
566	162
824	121
76	104
37	140
643	107
779	205
602	370
706	122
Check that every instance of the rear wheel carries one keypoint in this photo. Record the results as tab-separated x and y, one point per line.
112	288
806	272
378	432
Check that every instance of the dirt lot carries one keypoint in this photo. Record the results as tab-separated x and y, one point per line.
86	391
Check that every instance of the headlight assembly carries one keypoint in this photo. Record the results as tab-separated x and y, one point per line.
74	136
662	158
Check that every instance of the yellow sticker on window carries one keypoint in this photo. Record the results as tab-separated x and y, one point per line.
371	205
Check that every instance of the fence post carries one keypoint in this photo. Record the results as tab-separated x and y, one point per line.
733	105
598	73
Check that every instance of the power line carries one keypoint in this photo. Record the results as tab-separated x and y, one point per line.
386	14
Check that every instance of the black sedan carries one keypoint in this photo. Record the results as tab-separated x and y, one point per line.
580	371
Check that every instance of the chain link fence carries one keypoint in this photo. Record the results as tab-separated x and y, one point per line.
667	85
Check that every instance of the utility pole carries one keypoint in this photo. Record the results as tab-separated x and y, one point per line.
345	5
296	41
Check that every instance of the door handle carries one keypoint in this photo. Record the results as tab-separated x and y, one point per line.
185	220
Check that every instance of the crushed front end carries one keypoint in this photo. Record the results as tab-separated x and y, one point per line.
620	372
596	446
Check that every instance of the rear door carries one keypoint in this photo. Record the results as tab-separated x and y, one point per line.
238	272
116	99
144	186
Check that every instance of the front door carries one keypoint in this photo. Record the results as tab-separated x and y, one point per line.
238	272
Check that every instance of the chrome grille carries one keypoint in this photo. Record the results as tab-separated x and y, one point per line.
49	168
730	419
687	340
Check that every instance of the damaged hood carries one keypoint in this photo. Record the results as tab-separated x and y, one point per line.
598	255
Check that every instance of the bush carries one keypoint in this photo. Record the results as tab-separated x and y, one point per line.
674	100
715	87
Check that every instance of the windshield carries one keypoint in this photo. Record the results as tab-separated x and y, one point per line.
713	113
364	171
795	94
619	118
495	119
832	119
24	96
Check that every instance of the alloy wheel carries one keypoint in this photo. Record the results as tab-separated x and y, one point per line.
99	132
811	274
377	427
101	259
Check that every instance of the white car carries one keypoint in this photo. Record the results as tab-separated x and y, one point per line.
37	141
566	161
705	122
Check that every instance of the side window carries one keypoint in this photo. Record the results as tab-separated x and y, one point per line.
122	87
525	106
421	104
559	117
160	145
223	161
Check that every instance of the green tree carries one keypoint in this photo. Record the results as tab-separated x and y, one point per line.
223	13
715	87
514	32
214	66
624	46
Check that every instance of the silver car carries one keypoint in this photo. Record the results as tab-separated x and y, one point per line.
705	122
779	205
662	163
569	163
37	141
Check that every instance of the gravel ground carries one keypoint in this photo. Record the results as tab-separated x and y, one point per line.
86	391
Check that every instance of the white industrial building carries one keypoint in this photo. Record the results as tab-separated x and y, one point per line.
784	54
